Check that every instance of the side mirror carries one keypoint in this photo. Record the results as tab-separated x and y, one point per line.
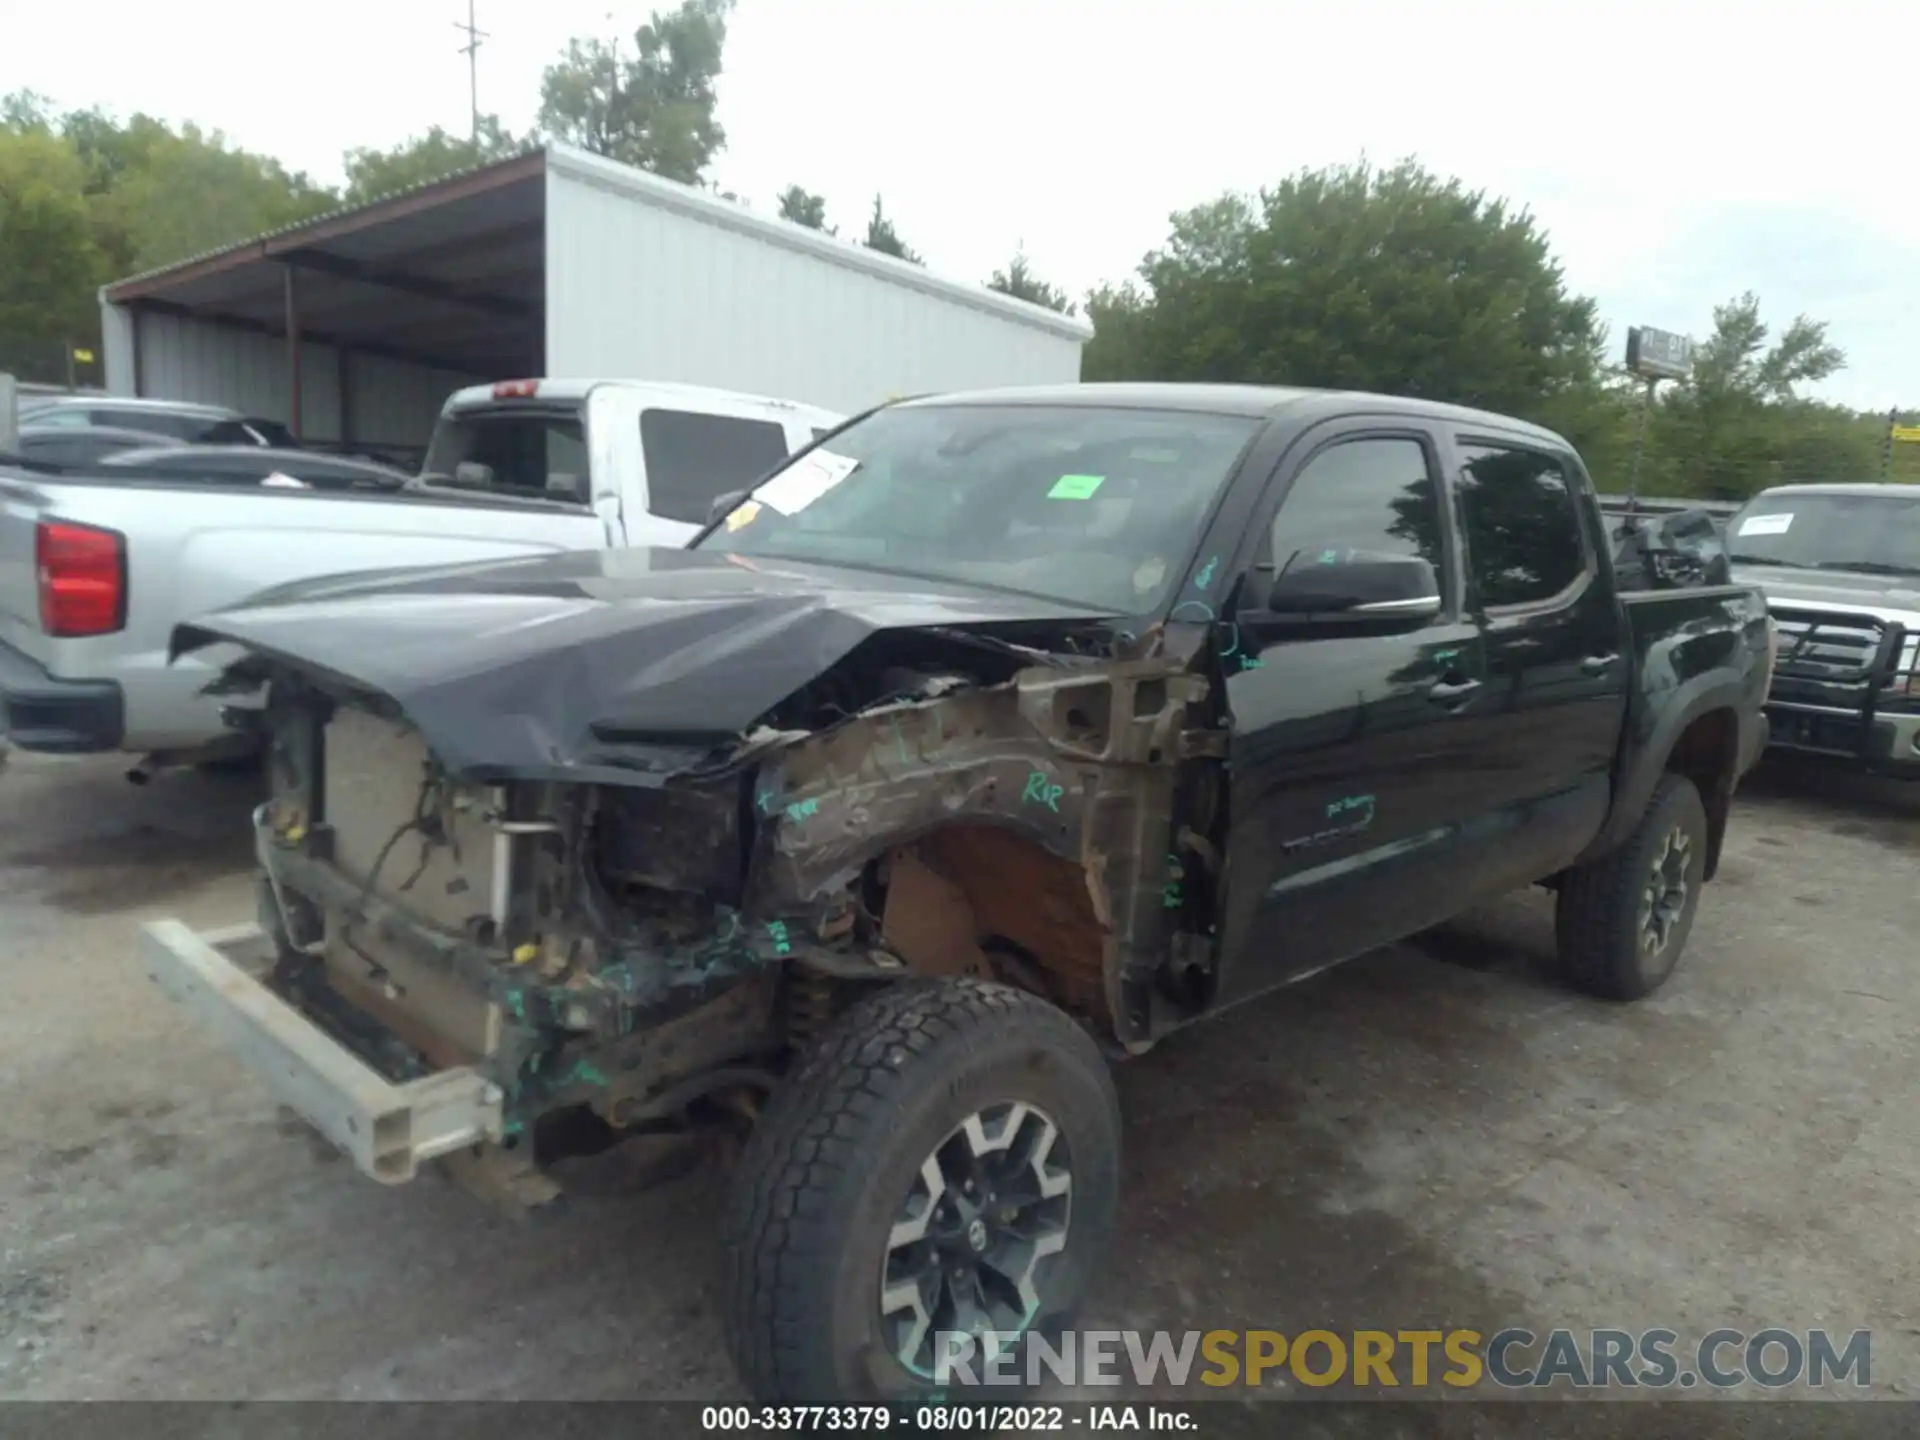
723	505
1346	589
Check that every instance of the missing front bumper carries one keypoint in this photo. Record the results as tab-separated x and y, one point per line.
387	1129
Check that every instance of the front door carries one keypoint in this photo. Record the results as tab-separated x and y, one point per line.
1351	757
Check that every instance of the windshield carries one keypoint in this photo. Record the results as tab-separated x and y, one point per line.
1095	507
517	451
1878	534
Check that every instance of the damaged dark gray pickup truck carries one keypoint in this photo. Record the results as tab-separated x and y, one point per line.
993	732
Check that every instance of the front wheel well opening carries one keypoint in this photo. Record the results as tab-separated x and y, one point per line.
986	900
1707	753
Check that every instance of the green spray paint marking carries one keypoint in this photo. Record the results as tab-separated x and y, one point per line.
1440	657
900	740
1170	894
777	929
801	809
1205	577
766	800
1251	662
1328	557
1040	791
585	1072
1076	487
1362	805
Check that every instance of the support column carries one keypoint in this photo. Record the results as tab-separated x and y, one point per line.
292	328
343	378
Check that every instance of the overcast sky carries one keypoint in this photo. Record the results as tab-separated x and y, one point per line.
1677	152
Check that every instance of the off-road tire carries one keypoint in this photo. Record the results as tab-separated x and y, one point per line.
836	1154
1599	914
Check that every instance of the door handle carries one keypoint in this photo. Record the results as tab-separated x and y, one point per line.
1597	664
1445	693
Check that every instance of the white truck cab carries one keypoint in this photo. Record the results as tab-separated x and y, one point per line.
649	459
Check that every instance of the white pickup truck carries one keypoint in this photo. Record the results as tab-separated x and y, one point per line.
97	568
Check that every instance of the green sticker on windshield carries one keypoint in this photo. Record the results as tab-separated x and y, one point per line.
1075	487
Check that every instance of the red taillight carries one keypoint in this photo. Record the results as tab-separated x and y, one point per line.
516	390
83	578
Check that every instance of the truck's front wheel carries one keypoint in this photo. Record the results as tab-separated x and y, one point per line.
945	1161
1623	920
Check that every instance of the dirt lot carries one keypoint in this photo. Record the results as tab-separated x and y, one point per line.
1429	1136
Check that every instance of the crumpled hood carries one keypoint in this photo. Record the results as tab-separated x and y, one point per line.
540	666
1838	589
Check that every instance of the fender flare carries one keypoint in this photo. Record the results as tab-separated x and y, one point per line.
1650	743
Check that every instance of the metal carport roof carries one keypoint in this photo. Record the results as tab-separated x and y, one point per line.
448	274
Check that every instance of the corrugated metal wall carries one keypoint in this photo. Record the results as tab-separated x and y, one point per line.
644	283
389	403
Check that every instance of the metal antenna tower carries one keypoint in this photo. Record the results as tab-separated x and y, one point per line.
471	50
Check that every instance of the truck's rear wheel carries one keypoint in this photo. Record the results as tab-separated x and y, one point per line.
947	1158
1623	920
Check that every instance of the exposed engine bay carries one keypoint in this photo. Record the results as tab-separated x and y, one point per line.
625	958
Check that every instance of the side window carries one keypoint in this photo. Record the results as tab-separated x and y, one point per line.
1522	528
692	458
1374	497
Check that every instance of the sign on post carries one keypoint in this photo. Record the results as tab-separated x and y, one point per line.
1658	354
1908	433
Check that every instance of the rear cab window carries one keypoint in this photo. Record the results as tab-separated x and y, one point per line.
530	451
692	458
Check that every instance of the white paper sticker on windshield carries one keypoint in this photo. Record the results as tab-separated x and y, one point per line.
1766	525
805	481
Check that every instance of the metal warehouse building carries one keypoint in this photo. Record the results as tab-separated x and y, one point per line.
354	327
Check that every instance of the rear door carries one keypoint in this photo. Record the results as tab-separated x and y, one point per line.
1556	664
1352	758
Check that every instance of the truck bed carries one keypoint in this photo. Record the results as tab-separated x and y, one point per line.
191	547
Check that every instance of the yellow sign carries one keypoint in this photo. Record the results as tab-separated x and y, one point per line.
1906	432
85	357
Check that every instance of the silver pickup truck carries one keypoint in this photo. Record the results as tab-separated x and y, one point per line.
97	568
1840	566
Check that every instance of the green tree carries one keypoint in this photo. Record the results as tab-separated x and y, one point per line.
883	237
187	192
1355	277
803	207
50	266
144	193
1738	423
25	110
1019	281
373	173
1120	316
654	109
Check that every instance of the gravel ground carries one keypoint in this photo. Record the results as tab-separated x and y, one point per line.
1433	1135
